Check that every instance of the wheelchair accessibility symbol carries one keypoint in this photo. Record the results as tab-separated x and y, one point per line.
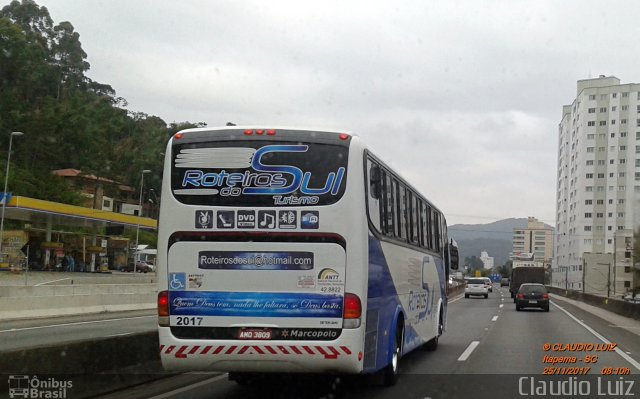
177	281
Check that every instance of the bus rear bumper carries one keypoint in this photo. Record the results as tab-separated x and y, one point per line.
257	356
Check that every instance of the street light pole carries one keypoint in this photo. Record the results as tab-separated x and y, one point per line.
135	256
6	180
609	281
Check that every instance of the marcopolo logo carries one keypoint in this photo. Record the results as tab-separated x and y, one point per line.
310	333
268	179
24	386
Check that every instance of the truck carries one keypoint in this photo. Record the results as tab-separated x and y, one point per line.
525	274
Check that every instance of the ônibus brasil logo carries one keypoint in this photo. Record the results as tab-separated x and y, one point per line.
269	179
24	386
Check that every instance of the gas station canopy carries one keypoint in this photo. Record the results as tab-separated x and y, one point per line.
42	212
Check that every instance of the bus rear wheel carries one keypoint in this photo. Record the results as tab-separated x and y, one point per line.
391	371
432	344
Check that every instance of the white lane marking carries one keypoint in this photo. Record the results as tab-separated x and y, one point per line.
494	318
118	335
600	337
467	352
632	327
73	324
52	281
456	299
189	387
502	304
502	299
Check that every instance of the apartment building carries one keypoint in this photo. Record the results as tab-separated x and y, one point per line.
487	261
536	238
598	176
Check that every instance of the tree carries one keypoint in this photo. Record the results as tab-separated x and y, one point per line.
70	120
473	262
505	270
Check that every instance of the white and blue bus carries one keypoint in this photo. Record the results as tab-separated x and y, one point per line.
290	250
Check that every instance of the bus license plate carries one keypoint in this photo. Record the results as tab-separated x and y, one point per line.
252	333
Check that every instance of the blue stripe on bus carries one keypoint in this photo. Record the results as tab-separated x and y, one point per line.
382	300
254	304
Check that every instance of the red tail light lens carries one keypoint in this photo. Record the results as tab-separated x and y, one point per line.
163	303
343	136
178	135
545	296
520	296
352	306
248	132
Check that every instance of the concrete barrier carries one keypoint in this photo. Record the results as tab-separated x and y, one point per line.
455	291
618	306
93	367
62	300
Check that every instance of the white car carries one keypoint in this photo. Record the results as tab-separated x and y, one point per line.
476	286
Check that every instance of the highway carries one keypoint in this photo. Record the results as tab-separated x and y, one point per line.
24	334
486	349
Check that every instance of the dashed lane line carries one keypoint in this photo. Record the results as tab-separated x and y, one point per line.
467	352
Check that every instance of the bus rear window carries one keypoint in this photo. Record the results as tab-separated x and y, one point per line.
258	173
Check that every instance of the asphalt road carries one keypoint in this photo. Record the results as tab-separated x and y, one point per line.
486	351
22	334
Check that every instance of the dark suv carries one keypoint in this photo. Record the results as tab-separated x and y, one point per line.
532	296
141	267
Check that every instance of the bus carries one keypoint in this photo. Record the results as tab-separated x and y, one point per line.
294	251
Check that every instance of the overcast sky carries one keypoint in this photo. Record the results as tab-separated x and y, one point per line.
462	98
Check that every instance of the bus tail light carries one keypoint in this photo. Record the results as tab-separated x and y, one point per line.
352	311
260	132
163	308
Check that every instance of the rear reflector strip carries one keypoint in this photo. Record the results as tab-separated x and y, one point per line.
327	352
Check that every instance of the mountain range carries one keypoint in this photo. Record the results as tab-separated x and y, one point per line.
495	238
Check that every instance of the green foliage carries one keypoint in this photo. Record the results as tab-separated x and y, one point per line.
69	120
473	262
505	270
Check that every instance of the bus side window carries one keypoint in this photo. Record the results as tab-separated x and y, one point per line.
402	199
374	203
429	229
391	225
436	231
375	180
420	221
414	220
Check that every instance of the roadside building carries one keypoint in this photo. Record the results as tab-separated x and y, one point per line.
536	239
102	193
487	261
597	179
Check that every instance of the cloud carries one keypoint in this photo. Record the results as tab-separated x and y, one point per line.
463	98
